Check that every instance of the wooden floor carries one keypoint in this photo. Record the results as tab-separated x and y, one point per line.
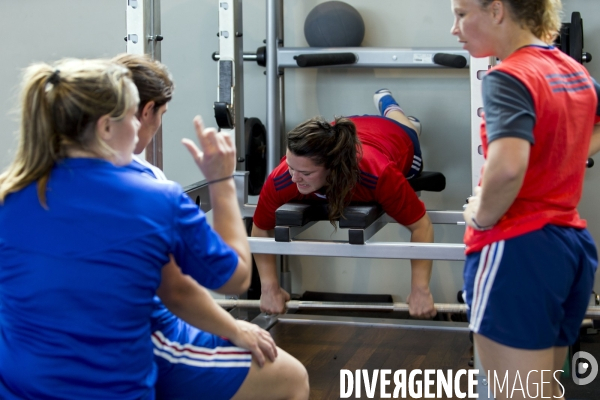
326	349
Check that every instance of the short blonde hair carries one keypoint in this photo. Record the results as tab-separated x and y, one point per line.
541	17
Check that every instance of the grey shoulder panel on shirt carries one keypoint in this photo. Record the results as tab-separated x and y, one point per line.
508	106
597	87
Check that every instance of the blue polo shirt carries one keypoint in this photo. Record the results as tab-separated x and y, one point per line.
77	279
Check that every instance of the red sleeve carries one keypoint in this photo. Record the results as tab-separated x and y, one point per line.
397	197
268	203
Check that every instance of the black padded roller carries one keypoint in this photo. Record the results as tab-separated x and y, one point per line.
450	60
318	60
428	181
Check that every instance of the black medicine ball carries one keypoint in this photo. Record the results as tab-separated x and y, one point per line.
334	24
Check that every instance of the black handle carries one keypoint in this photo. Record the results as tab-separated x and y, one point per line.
318	60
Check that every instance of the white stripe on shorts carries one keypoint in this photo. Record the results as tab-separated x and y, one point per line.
489	261
189	354
202	364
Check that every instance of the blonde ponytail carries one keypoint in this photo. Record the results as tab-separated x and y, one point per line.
59	107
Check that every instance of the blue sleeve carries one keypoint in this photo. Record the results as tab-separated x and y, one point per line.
198	249
597	87
508	107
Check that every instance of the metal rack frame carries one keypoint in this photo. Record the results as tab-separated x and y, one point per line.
144	37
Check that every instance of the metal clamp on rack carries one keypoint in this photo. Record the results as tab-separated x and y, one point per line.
223	115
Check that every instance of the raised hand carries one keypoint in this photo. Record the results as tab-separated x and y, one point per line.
217	159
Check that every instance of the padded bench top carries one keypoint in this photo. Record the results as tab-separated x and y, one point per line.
357	216
299	214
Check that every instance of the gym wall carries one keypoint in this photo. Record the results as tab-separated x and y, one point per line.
37	30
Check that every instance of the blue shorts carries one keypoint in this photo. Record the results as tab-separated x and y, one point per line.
531	291
417	164
193	364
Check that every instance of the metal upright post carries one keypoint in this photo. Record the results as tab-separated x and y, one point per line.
274	8
229	108
478	69
281	75
285	275
484	390
144	37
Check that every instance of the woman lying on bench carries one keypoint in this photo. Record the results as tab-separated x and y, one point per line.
360	158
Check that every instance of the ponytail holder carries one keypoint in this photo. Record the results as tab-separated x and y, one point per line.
55	77
335	130
324	125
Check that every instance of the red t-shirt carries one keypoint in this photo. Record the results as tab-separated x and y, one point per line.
565	107
387	157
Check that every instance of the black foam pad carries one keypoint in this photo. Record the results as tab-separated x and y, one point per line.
428	181
299	214
450	60
360	216
357	216
318	60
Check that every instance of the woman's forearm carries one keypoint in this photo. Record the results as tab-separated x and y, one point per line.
191	302
502	178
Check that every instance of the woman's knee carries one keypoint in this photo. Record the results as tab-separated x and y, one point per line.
295	374
286	379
